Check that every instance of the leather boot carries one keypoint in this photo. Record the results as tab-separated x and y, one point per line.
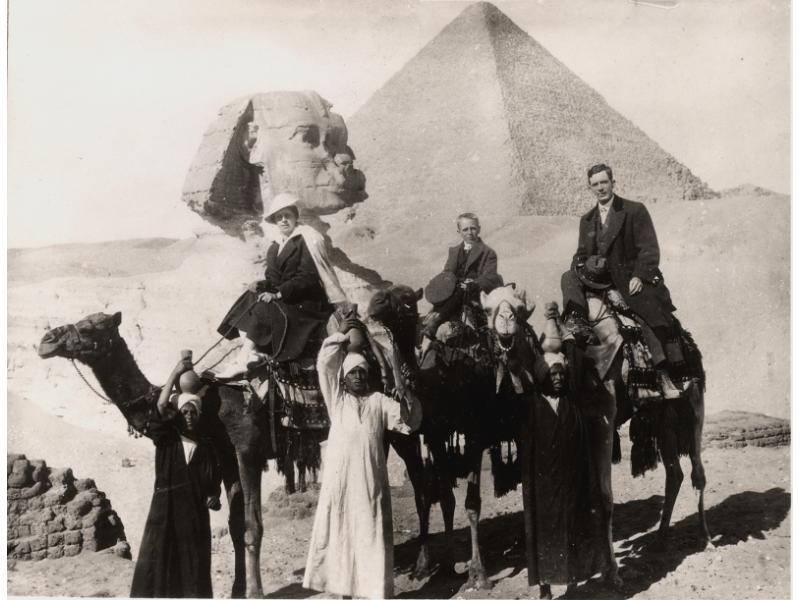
577	325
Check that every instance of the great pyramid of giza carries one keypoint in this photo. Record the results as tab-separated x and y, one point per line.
484	118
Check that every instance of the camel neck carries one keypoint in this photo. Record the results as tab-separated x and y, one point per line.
123	382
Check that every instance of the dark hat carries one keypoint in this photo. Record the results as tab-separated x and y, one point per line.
441	287
594	273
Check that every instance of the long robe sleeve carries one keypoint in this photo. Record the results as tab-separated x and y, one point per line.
329	363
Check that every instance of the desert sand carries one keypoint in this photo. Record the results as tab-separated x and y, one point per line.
726	261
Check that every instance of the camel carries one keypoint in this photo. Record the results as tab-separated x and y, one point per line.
660	429
523	372
247	431
456	387
239	425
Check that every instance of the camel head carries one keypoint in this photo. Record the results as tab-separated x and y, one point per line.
395	304
505	309
90	338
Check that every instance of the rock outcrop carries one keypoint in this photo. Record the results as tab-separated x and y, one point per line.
51	514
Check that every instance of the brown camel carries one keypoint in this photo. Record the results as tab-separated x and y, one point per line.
239	426
247	431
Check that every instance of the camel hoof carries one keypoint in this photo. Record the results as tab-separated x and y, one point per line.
478	580
614	581
545	593
422	569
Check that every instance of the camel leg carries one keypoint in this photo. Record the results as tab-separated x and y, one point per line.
288	472
250	476
408	449
301	477
477	573
696	399
668	445
447	503
236	529
601	442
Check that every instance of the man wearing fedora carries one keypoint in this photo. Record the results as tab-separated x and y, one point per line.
471	267
621	232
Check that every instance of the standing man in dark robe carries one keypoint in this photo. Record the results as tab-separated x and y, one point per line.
471	268
622	232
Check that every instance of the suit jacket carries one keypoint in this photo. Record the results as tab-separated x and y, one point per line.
632	251
481	266
292	272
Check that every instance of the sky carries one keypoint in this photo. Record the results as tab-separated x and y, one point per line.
108	99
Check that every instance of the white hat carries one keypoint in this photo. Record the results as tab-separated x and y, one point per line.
186	398
353	360
282	200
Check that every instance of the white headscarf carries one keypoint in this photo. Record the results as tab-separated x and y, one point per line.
186	398
554	358
353	360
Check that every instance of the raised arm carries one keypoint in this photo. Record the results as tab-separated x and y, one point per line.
163	405
329	363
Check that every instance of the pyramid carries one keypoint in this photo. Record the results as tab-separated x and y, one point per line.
483	118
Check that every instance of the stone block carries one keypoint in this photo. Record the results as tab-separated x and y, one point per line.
72	523
23	531
61	477
55	539
91	518
10	460
83	485
90	545
80	504
55	552
59	494
22	547
89	533
40	471
36	489
36	503
38	543
72	550
72	538
12	532
21	474
38	555
56	525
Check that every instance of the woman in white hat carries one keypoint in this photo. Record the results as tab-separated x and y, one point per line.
175	554
351	548
287	310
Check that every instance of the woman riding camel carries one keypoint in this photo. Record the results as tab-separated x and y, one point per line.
289	309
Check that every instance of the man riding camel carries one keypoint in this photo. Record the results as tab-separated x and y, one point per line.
621	232
471	268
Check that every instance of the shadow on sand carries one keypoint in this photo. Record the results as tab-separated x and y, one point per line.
643	560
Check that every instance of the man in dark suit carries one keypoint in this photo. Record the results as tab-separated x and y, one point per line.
621	231
471	265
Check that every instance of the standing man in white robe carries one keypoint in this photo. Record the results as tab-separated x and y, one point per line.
351	551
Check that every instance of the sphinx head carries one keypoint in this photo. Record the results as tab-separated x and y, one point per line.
89	339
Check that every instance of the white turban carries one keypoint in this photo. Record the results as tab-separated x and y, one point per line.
186	398
554	358
353	360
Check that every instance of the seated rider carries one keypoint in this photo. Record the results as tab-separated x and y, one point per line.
289	309
471	267
597	286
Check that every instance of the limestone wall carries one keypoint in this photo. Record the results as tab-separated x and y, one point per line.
51	514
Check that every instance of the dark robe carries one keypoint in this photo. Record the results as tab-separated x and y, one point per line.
563	530
175	554
283	328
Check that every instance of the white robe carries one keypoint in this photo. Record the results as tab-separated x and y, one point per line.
351	551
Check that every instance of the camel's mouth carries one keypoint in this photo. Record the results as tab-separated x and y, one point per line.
54	343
